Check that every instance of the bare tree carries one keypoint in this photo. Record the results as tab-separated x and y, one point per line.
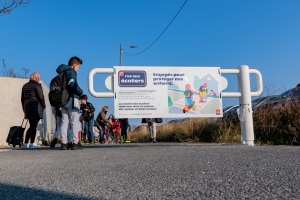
9	72
6	6
25	71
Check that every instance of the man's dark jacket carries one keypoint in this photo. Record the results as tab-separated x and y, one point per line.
124	123
33	101
71	76
101	118
90	114
157	120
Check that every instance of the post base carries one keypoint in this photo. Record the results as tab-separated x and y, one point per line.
248	142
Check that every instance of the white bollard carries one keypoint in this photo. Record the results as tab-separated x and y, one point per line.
245	106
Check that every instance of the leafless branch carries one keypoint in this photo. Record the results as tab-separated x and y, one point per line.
4	66
10	72
25	71
6	6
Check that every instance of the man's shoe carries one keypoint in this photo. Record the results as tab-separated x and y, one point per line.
69	145
102	141
154	140
92	142
77	147
33	145
53	143
63	146
81	142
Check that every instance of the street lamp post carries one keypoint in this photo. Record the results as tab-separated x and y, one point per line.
121	52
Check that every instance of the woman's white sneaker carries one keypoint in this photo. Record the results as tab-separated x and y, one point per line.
34	146
24	145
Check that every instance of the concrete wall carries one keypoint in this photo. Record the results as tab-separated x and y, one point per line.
12	113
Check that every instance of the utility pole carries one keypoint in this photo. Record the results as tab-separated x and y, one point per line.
121	51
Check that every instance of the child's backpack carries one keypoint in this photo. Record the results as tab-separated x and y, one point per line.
59	95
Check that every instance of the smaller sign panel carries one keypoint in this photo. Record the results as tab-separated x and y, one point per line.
167	92
128	78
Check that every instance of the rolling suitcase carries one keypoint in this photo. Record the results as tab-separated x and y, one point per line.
15	135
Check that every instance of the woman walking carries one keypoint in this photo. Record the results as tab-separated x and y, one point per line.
33	104
152	126
124	129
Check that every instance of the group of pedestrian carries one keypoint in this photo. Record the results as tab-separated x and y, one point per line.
67	116
111	128
74	120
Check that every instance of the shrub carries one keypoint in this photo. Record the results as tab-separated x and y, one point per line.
271	126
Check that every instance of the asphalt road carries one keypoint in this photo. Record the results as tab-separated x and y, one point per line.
152	171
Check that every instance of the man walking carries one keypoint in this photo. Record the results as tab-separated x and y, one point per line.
101	122
70	112
124	129
152	127
87	109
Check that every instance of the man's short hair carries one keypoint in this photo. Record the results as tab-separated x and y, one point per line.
83	97
74	60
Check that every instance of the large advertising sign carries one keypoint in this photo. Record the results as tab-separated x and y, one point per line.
167	92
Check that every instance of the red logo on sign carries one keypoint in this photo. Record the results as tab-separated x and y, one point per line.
218	112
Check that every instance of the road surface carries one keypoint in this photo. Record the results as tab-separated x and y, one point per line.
152	171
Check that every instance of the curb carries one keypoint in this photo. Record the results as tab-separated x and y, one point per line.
4	150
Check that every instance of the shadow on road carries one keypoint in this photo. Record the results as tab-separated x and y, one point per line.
8	192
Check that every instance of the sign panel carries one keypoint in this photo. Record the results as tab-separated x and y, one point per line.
167	92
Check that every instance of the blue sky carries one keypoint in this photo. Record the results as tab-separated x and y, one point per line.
261	34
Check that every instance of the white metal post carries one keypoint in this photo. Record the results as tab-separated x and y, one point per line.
245	106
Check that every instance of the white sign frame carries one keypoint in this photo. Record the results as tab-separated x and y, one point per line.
167	92
244	94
